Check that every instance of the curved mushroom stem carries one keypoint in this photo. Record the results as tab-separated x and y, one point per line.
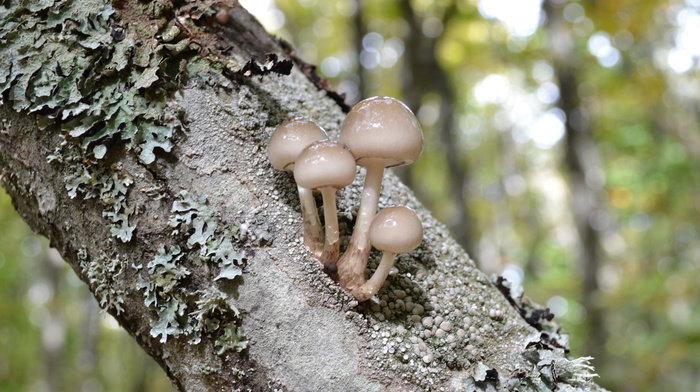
313	232
372	286
331	249
352	265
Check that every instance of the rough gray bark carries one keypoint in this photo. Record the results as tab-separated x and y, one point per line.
196	250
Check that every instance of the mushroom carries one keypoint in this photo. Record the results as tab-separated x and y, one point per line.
286	143
327	166
394	230
381	132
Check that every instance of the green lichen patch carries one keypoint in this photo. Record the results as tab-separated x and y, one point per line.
233	338
192	219
109	185
73	64
161	291
165	272
179	310
101	274
213	313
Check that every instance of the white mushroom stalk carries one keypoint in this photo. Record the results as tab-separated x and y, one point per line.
394	230
327	166
381	132
286	143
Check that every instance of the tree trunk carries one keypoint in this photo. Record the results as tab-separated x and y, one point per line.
423	74
134	137
584	172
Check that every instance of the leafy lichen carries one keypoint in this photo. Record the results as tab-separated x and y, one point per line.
232	339
71	63
101	273
192	219
106	88
108	185
162	293
99	85
206	311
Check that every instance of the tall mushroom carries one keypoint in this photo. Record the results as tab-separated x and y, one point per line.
394	230
327	166
381	132
286	143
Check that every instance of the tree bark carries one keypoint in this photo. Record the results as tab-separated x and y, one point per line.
134	137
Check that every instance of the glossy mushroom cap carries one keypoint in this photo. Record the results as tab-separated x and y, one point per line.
384	128
289	139
393	230
325	164
396	230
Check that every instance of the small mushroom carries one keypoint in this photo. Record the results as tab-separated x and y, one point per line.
327	166
394	230
380	132
286	143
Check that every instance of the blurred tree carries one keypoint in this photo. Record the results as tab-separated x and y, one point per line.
583	171
424	79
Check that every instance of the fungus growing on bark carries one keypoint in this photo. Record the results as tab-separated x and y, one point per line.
394	230
286	143
327	166
381	132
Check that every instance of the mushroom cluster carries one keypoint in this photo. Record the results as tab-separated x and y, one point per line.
378	133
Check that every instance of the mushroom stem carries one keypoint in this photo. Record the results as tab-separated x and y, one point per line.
331	250
352	265
372	286
313	232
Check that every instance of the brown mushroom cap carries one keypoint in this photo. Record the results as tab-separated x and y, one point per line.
289	139
396	229
325	164
385	128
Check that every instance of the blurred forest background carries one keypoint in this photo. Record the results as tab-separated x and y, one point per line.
562	150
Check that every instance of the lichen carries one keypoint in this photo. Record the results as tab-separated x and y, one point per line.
192	219
179	310
101	274
105	88
109	185
71	63
164	272
102	87
233	338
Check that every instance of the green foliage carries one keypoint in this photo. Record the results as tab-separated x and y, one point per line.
641	112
